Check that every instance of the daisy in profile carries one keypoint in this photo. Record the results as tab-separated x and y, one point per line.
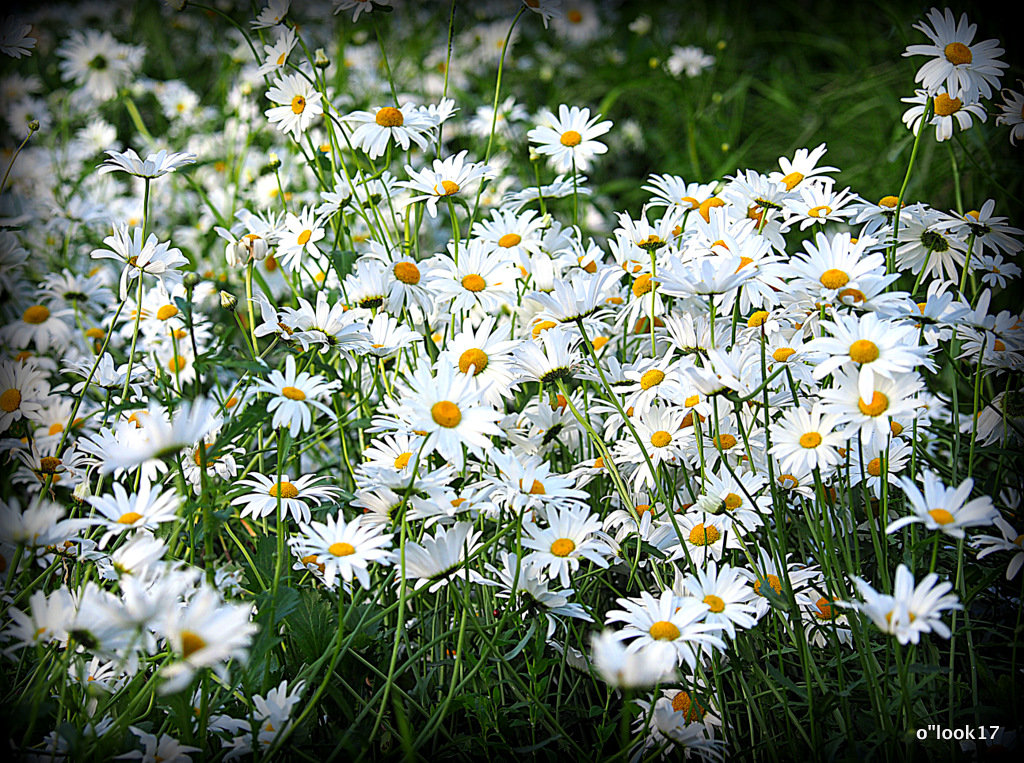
271	14
1010	541
325	326
1012	113
555	356
568	139
205	632
679	621
153	166
440	558
944	509
298	101
802	166
404	125
293	394
911	610
964	68
807	439
445	179
138	258
360	7
146	509
343	548
149	436
277	53
264	492
16	40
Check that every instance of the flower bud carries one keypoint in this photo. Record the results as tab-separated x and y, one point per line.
190	279
228	301
320	60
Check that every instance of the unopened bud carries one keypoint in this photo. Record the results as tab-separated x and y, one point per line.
320	59
273	161
190	279
228	301
33	125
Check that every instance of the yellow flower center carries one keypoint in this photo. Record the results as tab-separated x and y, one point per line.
792	180
283	490
571	138
537	488
642	285
177	363
875	467
191	643
298	104
473	282
389	116
663	630
821	211
446	414
166	312
783	354
715	602
941	516
824	609
48	464
448	187
304	237
683	703
878	405
810	440
407	272
957	53
896	428
574	16
704	536
35	314
706	205
55	428
733	501
854	295
342	549
509	240
661	438
945	106
863	351
540	326
998	345
10	399
834	279
403	460
293	393
129	518
562	547
652	378
94	333
773	581
724	441
757	319
475	359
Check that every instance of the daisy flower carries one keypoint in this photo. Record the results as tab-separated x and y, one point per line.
299	104
343	548
966	69
405	125
438	559
690	60
568	139
293	394
360	6
942	508
653	663
326	326
149	436
445	179
555	356
572	534
869	468
1012	113
726	592
271	14
946	111
481	277
164	748
277	53
1010	541
263	493
895	397
205	632
911	610
153	166
704	536
875	345
449	408
680	621
15	39
802	166
41	326
806	440
482	354
299	235
819	203
143	510
514	578
151	257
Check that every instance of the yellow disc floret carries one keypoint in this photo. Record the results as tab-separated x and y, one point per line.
563	547
833	278
389	116
663	630
571	138
475	359
446	414
652	378
341	549
810	440
863	351
879	404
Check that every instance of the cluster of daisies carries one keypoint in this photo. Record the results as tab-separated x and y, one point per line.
419	379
